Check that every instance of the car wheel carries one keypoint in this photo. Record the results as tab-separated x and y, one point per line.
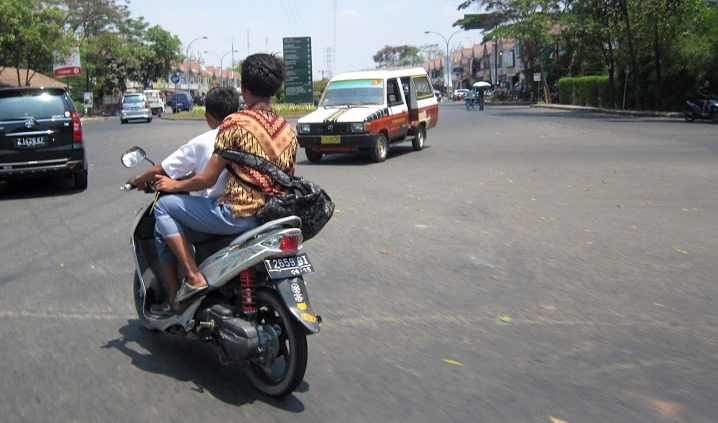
123	121
80	179
313	156
381	148
419	139
149	120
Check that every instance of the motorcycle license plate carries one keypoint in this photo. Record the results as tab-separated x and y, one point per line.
288	267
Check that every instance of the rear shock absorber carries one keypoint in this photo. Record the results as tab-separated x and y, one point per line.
247	279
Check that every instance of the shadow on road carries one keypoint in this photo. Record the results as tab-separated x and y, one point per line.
195	363
346	159
37	188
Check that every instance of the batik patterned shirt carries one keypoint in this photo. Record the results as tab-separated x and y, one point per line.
265	134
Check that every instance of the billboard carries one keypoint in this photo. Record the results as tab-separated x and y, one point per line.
298	61
70	66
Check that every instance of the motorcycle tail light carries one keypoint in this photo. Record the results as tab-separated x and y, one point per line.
290	244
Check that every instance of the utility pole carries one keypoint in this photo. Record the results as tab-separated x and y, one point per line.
328	61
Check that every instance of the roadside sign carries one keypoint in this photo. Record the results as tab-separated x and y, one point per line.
537	76
70	66
175	78
298	62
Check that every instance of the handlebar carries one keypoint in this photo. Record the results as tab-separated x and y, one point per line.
127	187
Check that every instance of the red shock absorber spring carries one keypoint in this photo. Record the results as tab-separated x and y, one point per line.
247	278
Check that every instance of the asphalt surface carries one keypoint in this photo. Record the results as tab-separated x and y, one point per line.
529	264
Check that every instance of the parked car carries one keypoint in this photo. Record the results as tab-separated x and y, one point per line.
180	101
135	107
198	100
41	135
460	94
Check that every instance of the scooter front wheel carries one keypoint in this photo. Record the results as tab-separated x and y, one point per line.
282	372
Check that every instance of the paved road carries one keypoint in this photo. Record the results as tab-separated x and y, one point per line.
528	264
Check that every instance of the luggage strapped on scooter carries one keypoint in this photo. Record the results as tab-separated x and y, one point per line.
305	198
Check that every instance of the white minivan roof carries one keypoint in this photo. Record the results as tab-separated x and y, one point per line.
381	73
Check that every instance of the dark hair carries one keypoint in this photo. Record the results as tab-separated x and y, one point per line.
262	74
221	102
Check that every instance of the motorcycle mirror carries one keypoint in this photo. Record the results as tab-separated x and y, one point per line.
133	156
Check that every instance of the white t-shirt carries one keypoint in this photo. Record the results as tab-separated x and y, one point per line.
193	157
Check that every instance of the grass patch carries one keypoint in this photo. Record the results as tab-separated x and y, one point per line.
283	109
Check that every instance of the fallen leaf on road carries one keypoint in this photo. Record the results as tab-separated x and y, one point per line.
555	420
604	181
62	264
452	362
682	251
659	305
505	319
384	251
620	206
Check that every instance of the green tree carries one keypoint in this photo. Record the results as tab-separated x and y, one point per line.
394	56
31	37
157	54
530	21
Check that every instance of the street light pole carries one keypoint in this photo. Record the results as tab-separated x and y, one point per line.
189	63
221	60
449	63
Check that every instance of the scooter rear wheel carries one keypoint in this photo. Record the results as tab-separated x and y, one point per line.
286	370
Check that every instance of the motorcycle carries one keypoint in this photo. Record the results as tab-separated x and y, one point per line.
256	310
694	110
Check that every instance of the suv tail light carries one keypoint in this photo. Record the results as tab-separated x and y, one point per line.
76	127
122	106
147	104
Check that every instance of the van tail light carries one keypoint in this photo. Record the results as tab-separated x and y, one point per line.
147	104
76	127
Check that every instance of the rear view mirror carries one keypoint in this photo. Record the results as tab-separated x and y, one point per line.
133	156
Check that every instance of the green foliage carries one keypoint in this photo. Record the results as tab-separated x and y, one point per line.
395	56
31	35
592	91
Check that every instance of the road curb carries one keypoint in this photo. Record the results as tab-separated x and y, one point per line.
631	113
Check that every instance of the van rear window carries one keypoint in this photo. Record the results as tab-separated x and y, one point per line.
354	92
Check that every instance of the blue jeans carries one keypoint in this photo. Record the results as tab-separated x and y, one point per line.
186	214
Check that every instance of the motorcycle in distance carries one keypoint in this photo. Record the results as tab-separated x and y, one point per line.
256	310
694	110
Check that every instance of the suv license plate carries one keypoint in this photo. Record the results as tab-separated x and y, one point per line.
331	139
30	141
288	267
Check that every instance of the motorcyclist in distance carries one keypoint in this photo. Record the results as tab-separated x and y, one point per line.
704	95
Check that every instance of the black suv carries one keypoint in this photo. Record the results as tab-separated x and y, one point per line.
41	135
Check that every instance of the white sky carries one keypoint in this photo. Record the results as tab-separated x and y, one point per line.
363	27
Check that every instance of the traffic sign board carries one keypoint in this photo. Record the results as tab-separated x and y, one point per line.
175	78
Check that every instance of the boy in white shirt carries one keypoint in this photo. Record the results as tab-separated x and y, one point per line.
220	102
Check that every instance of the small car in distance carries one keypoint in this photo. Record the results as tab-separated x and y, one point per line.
461	94
135	107
41	135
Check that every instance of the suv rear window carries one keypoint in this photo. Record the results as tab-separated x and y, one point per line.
32	104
